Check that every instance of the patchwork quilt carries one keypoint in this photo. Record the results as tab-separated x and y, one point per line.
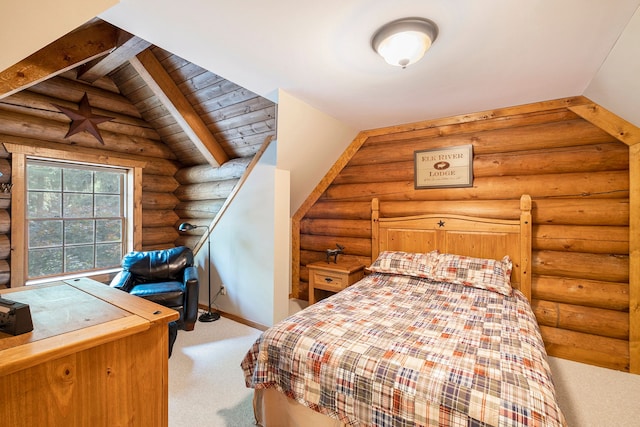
397	350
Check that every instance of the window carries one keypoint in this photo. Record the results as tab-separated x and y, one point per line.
75	218
78	161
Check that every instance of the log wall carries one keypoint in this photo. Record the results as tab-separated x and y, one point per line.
172	192
5	219
577	175
202	194
30	118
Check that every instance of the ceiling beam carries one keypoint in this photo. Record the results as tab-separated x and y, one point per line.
615	126
76	48
128	47
163	86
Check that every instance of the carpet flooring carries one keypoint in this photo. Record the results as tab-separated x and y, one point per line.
206	384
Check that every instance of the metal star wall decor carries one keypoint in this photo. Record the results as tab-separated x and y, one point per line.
83	120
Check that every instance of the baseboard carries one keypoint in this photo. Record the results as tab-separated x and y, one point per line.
237	319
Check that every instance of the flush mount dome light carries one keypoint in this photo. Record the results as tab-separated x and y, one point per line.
404	41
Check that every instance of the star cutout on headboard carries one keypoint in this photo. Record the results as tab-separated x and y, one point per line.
83	119
441	223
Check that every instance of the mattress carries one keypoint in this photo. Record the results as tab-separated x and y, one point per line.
399	350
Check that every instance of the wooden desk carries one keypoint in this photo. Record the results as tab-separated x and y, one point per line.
97	356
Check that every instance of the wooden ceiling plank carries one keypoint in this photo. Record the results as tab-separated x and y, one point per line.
152	71
67	52
128	47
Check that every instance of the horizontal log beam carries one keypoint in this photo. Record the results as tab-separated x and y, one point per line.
354	210
5	200
577	238
159	183
336	227
157	166
42	106
159	218
152	165
5	221
586	158
613	184
551	160
158	235
5	272
206	191
586	348
199	208
151	200
158	246
352	245
338	210
500	118
233	169
5	171
5	246
26	126
589	320
581	265
591	293
513	139
72	91
581	211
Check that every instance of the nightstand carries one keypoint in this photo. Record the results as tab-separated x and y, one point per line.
328	278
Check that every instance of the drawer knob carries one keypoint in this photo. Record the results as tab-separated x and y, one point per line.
328	279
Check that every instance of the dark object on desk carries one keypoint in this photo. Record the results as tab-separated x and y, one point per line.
15	317
334	253
167	277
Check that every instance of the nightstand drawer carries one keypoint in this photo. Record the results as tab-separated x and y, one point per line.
329	282
328	278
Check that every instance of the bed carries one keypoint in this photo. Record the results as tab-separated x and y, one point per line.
440	332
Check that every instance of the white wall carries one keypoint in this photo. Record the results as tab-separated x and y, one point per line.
26	26
251	246
309	143
282	246
617	85
247	247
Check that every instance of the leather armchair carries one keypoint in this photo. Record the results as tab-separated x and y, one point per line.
167	277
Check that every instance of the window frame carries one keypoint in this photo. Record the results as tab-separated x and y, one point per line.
65	219
19	155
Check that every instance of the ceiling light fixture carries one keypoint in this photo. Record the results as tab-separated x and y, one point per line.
404	41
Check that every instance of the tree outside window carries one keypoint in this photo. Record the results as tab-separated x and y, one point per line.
75	218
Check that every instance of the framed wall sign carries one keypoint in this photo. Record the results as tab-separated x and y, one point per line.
444	167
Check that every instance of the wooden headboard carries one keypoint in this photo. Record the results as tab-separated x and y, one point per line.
462	235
